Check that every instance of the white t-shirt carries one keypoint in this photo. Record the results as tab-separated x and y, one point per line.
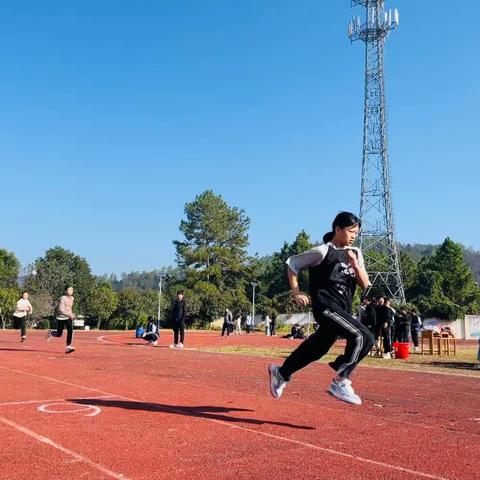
23	307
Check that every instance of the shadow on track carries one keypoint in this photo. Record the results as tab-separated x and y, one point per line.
24	350
200	411
459	365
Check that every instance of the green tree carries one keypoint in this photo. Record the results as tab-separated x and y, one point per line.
446	286
409	270
102	302
9	269
59	268
129	307
8	302
274	289
216	239
42	303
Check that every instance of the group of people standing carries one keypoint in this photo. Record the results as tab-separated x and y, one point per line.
387	324
270	325
233	324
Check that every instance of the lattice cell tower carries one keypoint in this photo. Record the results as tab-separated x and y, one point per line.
377	236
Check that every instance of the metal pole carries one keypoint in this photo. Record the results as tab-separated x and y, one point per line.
159	305
253	308
161	277
254	284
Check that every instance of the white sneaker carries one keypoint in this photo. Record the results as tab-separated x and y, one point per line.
387	356
69	349
180	345
49	335
24	337
174	345
155	343
277	383
342	389
415	349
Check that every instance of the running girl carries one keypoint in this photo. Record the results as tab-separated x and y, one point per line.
335	269
64	316
24	308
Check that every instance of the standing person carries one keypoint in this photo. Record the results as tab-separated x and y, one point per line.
248	324
22	310
273	324
178	320
369	316
64	316
361	310
238	325
387	313
415	327
381	318
151	334
401	322
227	322
335	269
267	325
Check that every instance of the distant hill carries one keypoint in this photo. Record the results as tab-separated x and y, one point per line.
418	250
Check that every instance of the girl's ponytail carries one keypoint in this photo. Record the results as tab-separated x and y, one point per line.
328	237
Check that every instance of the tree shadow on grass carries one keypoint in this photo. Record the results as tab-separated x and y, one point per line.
199	411
459	365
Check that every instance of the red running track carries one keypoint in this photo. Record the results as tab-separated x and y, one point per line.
117	408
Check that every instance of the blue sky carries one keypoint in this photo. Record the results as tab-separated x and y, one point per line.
115	114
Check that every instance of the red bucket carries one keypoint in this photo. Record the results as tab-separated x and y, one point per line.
401	350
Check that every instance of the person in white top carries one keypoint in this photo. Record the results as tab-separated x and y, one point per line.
238	325
267	325
248	324
64	316
23	308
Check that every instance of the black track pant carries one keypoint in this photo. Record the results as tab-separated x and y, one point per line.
402	333
178	329
225	328
60	326
387	339
414	332
151	337
21	323
332	325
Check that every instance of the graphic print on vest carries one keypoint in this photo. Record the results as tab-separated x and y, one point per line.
341	277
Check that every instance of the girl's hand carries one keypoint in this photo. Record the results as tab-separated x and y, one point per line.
301	299
352	259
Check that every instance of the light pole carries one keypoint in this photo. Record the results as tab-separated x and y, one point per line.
253	284
161	277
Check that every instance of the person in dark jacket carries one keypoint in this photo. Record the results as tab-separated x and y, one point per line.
227	323
401	323
415	327
387	319
369	316
178	320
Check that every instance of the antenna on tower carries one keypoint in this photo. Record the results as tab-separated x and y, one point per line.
377	236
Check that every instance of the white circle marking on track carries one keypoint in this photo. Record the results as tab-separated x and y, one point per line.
83	408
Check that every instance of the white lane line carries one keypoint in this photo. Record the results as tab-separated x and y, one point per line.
103	339
51	443
250	430
26	402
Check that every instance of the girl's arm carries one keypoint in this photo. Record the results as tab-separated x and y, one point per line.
361	275
298	296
